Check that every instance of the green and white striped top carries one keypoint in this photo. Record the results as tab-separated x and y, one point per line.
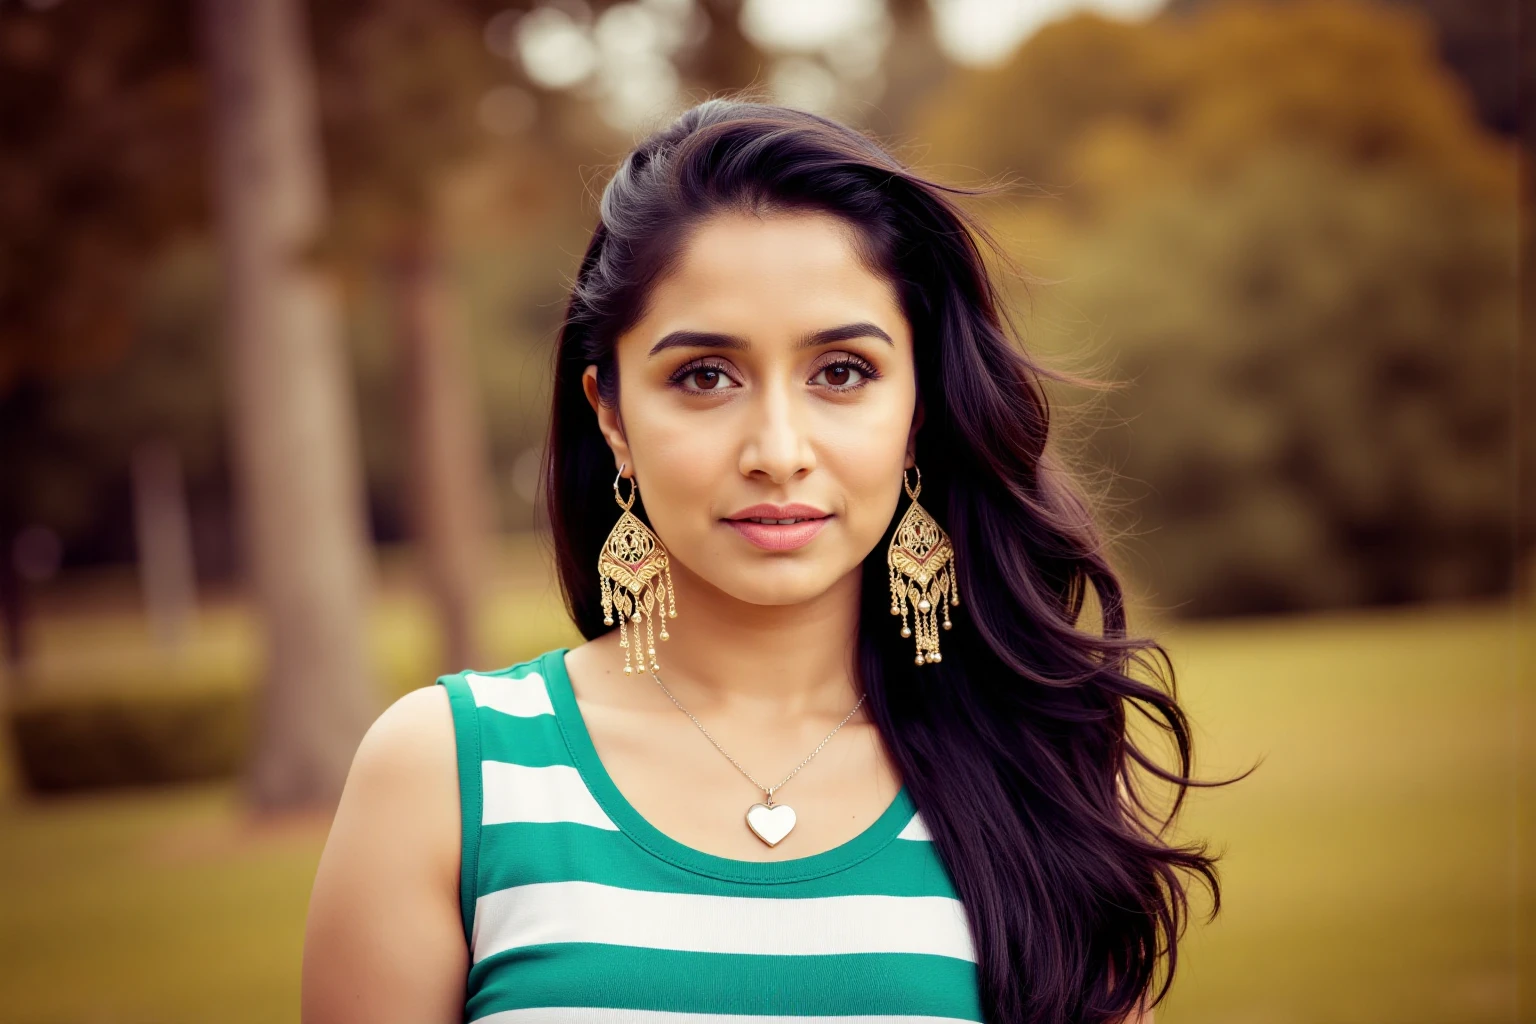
578	911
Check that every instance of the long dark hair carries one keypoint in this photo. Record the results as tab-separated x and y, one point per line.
1015	747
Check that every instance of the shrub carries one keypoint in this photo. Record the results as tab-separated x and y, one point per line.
103	740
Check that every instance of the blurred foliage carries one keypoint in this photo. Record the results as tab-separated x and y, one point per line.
1480	39
108	326
1329	427
130	738
1282	228
165	386
1134	106
101	179
101	160
1281	223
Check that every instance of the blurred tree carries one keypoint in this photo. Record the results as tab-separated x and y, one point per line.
1478	38
99	166
1283	225
400	89
723	58
1022	118
914	66
1319	407
1196	97
82	78
297	468
159	411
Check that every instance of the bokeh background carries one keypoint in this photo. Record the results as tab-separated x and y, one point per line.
279	284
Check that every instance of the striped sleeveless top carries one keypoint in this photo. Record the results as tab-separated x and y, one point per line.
578	911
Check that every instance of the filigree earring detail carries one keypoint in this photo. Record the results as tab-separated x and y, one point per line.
922	564
636	577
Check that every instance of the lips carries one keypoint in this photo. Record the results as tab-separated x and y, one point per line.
763	510
806	521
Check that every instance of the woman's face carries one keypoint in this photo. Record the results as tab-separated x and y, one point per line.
771	368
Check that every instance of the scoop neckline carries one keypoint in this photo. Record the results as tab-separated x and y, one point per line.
632	823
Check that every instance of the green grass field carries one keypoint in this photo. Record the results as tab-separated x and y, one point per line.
1370	864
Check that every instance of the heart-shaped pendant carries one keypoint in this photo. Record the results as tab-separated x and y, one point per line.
770	824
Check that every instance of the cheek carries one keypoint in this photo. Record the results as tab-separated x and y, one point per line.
681	458
681	447
866	453
868	472
875	430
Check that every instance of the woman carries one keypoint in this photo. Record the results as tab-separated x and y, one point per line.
806	518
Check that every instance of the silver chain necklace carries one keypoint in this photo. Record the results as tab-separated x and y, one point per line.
769	821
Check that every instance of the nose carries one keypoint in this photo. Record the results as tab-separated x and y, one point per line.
777	444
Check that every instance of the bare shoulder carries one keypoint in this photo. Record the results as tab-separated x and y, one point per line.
384	940
404	782
413	733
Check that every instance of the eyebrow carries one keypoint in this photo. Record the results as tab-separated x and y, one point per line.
712	339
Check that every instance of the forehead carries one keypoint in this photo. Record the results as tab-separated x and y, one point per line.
751	273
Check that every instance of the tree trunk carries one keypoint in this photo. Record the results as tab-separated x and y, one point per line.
449	503
18	411
13	610
163	533
920	64
297	471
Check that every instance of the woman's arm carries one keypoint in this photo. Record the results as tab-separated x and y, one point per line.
384	940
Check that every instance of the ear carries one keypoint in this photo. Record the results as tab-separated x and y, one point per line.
609	422
917	421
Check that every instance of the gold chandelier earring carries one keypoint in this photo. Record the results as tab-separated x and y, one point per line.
922	564
637	577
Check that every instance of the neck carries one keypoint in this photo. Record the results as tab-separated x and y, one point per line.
775	661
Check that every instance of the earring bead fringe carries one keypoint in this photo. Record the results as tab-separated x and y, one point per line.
636	577
921	560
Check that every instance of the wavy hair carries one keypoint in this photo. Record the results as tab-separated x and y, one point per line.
1015	747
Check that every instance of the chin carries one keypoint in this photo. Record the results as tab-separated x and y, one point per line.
778	585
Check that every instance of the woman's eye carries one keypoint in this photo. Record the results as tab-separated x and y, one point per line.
703	378
843	376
